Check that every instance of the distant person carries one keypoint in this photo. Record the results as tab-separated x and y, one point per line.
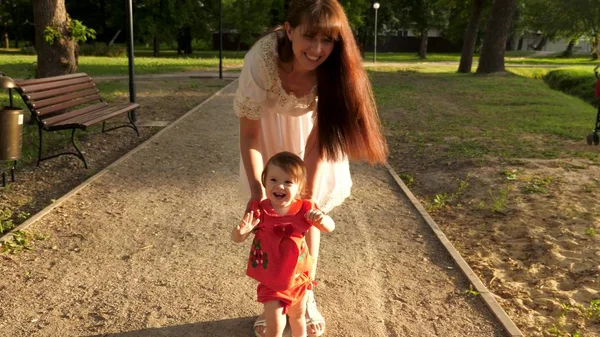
303	89
279	258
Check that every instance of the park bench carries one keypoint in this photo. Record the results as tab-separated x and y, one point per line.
69	102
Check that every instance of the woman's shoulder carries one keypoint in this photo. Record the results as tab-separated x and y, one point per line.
265	48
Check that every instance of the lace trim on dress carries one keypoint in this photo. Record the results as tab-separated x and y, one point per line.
268	53
245	107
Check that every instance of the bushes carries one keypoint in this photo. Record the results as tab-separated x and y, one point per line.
100	49
576	82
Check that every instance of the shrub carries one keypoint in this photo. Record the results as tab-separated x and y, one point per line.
100	49
573	82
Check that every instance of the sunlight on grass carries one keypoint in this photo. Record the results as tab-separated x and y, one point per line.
23	66
469	116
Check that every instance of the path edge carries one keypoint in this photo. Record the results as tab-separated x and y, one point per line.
488	297
7	236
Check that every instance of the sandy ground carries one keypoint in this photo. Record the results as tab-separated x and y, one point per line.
144	251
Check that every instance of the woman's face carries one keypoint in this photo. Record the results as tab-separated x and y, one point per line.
310	51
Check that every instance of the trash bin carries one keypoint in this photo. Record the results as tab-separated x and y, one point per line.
11	132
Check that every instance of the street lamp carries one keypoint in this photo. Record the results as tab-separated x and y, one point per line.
376	6
220	39
130	52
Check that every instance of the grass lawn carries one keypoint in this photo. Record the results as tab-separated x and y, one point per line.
23	66
498	115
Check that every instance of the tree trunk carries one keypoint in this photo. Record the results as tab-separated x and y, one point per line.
5	36
569	51
104	20
496	34
466	57
155	46
512	35
595	44
57	58
423	45
541	44
520	46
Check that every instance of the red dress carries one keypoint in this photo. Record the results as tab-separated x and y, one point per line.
279	257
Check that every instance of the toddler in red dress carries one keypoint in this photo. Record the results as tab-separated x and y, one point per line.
279	258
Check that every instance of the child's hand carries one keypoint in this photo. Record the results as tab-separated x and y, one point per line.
315	215
248	223
320	220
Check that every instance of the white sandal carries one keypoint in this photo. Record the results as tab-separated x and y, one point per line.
313	316
262	323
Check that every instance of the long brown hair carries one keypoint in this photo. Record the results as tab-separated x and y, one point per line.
347	118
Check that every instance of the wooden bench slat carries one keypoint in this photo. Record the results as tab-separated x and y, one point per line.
66	105
53	85
49	121
55	92
126	108
23	83
84	115
97	116
63	98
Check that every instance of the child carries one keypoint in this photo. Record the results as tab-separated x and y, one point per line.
279	257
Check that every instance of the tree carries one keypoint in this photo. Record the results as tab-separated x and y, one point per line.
496	34
248	18
466	57
58	56
16	18
423	15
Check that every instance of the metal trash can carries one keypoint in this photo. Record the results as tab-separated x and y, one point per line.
11	132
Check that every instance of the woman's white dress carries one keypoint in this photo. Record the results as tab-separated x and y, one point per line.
285	120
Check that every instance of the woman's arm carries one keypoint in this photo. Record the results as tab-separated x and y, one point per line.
314	163
251	156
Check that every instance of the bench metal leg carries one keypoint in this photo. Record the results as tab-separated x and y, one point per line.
78	154
130	125
12	174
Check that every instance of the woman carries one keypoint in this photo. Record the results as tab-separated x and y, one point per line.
303	89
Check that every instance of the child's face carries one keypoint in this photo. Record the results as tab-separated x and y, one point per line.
280	186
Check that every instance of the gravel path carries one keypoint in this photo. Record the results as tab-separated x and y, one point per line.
144	250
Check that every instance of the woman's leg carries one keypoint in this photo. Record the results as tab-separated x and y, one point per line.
275	319
315	324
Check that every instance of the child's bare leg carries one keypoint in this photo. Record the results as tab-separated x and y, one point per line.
297	316
274	318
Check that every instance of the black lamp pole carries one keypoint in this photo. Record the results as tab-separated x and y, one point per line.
220	39
130	56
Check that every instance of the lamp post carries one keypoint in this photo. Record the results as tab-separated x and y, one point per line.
130	56
376	6
220	39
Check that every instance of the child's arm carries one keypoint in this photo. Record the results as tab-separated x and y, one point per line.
321	220
241	232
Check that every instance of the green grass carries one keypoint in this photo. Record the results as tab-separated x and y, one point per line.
23	66
512	57
467	116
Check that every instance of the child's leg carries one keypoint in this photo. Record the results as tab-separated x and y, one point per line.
274	318
297	316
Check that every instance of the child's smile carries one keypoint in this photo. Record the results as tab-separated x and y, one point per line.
281	187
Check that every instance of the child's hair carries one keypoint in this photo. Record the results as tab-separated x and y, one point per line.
290	163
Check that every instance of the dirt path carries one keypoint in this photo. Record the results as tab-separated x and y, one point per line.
144	250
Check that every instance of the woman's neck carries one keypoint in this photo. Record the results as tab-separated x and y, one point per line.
294	69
